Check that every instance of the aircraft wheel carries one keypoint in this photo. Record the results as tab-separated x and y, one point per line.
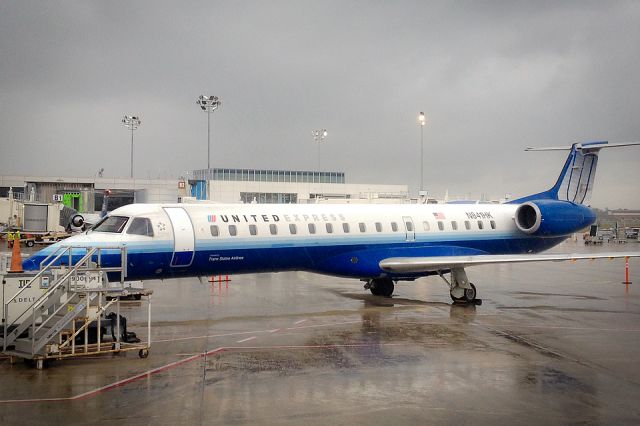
382	287
456	299
143	353
469	295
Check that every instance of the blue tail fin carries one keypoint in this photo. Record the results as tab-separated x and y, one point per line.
575	182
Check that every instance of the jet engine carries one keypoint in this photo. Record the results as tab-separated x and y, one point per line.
77	221
553	217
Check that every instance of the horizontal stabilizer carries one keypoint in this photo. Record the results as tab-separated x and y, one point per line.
586	145
438	263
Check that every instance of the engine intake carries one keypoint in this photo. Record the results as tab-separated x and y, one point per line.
553	217
77	221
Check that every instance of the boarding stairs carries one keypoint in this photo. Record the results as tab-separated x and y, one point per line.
73	299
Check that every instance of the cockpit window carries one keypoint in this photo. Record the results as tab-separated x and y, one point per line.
140	226
113	224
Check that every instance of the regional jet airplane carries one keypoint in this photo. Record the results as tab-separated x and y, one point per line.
378	244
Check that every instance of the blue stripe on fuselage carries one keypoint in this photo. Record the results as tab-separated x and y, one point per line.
349	256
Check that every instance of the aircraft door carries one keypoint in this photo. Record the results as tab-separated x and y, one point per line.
183	236
410	229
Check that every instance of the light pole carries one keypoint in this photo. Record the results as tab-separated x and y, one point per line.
131	122
422	120
208	105
319	136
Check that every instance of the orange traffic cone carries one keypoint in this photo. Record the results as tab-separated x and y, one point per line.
16	257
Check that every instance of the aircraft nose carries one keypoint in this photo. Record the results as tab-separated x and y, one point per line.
32	263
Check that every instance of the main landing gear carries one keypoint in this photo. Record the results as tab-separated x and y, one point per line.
380	286
460	289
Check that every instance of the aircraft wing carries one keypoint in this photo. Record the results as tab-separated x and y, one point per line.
438	263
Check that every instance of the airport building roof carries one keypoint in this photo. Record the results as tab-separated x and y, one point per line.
264	175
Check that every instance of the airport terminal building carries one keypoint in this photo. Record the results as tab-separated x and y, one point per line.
287	186
216	184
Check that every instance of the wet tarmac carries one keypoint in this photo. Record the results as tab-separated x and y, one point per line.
552	343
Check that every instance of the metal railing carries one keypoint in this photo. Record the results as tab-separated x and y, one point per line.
50	298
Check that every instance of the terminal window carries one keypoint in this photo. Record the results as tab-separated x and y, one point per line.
269	197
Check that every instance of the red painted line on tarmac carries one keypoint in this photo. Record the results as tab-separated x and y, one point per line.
136	377
174	364
119	383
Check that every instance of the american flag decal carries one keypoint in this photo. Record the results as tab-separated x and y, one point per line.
439	215
211	217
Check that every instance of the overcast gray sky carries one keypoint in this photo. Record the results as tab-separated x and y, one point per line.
492	77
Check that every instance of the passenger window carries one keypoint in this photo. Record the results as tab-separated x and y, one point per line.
140	226
441	225
378	227
409	226
253	229
345	227
454	225
426	225
233	230
312	228
394	227
363	227
329	227
480	225
493	224
273	228
293	229
467	225
214	230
